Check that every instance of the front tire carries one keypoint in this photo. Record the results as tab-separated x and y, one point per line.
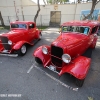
22	51
79	82
37	60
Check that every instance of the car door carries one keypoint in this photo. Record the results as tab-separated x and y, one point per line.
31	32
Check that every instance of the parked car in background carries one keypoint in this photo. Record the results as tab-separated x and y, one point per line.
66	53
21	34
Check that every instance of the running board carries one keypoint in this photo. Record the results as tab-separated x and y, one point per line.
10	55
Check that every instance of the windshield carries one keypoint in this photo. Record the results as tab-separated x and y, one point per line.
79	29
23	26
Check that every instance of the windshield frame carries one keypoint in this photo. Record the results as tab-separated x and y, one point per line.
76	31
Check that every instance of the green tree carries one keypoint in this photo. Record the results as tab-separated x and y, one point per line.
57	1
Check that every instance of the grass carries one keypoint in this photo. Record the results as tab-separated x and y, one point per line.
42	27
8	27
90	98
4	27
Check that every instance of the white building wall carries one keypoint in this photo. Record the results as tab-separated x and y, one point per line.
28	9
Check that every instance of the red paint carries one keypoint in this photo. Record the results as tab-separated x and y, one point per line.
78	67
74	44
20	36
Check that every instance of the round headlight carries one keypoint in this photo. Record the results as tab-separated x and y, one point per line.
66	58
10	42
44	50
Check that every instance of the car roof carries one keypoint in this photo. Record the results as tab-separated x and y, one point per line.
24	22
82	23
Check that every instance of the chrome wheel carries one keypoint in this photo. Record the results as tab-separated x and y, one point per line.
23	49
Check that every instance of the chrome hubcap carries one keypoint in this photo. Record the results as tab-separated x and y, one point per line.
23	49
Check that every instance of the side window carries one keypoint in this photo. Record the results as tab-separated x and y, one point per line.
31	26
94	30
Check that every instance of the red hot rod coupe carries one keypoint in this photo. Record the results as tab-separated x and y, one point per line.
21	34
65	54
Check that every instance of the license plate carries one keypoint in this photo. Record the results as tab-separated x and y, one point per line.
52	68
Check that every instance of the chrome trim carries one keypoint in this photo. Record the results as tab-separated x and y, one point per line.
10	55
52	70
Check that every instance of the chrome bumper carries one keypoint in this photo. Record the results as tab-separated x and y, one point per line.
54	70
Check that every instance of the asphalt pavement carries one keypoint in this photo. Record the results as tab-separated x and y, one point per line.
22	79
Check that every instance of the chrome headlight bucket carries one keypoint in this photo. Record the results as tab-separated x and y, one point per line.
45	50
66	58
9	42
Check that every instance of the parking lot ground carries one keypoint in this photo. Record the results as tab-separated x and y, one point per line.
18	75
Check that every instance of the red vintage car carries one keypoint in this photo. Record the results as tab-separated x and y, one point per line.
66	53
21	34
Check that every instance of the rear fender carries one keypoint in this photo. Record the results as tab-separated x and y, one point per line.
44	58
19	44
38	32
94	42
78	68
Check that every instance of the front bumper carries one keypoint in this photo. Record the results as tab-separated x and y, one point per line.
52	68
7	53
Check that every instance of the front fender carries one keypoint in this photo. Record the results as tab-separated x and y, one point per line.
19	44
1	46
44	58
78	68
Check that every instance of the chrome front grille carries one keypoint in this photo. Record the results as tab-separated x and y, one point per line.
4	41
56	55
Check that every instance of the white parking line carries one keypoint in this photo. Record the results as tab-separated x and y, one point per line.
63	84
30	68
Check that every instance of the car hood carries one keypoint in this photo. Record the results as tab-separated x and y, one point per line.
68	39
13	33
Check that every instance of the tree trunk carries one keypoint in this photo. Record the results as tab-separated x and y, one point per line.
2	22
37	11
94	2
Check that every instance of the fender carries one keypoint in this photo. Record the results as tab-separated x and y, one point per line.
44	58
78	68
19	44
94	42
1	46
38	32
